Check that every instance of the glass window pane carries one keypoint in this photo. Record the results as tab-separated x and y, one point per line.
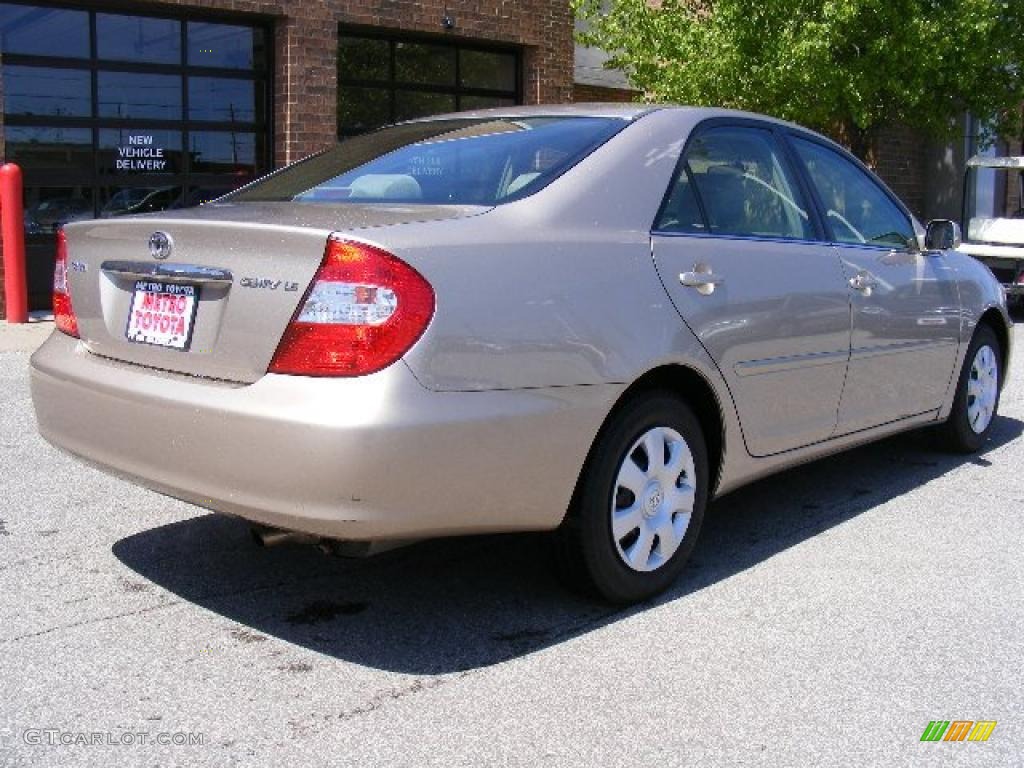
34	31
484	102
460	161
137	95
681	212
363	109
47	208
138	38
225	45
123	201
36	150
745	187
486	69
857	209
228	152
130	153
222	100
426	64
410	104
363	58
45	91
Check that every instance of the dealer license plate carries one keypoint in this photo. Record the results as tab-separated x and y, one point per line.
162	314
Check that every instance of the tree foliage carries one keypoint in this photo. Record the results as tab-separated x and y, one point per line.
848	67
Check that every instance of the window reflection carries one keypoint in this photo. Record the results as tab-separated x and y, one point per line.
47	208
486	69
422	103
47	91
427	64
139	95
224	152
224	45
222	100
42	149
138	38
364	58
33	31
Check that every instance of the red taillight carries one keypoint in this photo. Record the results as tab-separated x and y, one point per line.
364	310
63	313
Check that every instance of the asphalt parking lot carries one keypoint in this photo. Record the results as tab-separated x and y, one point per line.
828	615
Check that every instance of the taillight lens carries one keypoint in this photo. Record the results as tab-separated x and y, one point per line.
63	313
363	311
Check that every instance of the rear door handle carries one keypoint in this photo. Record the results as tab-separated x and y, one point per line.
704	282
863	282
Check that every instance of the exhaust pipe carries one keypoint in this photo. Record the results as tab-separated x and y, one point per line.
266	536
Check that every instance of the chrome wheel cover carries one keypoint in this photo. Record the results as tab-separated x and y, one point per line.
982	389
652	499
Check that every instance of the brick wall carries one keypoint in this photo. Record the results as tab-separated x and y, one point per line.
582	93
900	162
305	50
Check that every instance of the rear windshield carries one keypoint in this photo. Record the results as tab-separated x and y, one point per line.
460	161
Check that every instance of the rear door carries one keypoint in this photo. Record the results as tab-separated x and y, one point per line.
737	247
906	306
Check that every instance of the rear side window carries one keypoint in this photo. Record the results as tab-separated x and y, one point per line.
743	185
463	161
858	210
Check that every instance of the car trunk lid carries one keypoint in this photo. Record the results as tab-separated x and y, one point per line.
230	276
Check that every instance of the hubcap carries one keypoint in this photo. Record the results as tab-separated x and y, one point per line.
982	389
653	498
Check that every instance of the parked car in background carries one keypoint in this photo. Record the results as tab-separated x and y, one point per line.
997	241
587	319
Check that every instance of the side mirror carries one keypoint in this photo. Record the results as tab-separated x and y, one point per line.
942	235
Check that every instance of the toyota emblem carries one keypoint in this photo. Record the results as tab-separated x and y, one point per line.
160	245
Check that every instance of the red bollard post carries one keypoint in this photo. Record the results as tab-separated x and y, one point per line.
12	229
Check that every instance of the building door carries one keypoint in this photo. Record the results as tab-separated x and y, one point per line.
112	113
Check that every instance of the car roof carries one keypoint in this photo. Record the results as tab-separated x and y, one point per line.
621	110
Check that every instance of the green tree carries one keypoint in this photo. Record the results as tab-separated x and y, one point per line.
846	67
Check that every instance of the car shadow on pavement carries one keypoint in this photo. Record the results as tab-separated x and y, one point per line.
458	604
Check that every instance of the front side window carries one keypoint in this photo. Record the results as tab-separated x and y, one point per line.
857	209
459	161
743	185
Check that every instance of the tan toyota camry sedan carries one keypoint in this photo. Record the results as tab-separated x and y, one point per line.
588	319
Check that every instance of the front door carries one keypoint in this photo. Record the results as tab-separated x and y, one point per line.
906	318
736	246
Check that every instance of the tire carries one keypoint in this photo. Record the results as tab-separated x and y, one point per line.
977	394
631	561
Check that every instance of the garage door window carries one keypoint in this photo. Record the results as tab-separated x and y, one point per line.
384	80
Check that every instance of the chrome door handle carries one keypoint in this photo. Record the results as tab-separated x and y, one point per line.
704	282
863	282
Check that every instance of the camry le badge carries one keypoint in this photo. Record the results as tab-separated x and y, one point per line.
160	245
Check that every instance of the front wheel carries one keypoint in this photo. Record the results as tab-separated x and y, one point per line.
977	394
640	503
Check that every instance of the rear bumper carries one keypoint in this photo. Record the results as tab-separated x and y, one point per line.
372	458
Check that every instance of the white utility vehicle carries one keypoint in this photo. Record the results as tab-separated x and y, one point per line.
997	239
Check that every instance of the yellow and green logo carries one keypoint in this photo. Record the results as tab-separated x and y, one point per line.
958	730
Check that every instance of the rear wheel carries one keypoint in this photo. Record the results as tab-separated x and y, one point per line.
977	394
640	503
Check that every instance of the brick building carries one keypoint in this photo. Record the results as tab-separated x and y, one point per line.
116	107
